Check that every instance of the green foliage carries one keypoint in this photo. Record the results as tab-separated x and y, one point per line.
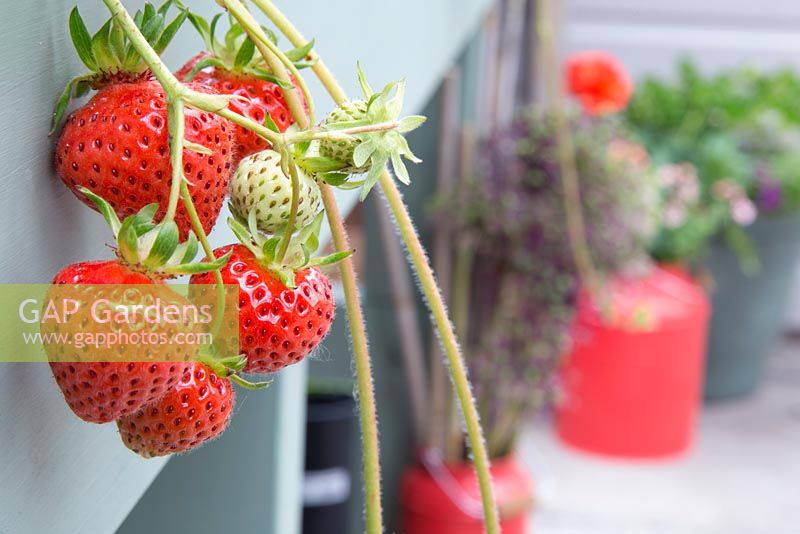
739	126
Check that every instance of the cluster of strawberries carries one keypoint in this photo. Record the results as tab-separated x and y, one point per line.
114	154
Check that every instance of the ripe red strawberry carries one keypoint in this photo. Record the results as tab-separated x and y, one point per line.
264	98
99	392
233	67
117	146
278	325
196	410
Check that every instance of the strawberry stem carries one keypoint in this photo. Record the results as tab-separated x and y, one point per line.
260	38
176	126
427	281
209	251
291	223
175	93
273	56
363	366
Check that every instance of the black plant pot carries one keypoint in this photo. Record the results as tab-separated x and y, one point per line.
748	311
328	487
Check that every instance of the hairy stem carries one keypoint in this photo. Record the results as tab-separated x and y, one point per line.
270	55
175	93
427	281
368	417
270	51
274	138
290	224
203	239
364	383
176	126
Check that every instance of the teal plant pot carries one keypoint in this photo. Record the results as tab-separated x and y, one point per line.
748	310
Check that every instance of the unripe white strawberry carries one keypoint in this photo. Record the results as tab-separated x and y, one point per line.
342	150
260	184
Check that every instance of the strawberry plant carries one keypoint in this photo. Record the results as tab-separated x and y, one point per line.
175	144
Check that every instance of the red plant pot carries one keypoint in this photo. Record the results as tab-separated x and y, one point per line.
445	499
633	379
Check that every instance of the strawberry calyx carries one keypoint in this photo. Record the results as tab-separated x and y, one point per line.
229	367
298	254
236	53
152	247
110	56
370	151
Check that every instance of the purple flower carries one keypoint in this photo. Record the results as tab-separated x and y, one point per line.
770	193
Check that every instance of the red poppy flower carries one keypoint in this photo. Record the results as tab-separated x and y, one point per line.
599	81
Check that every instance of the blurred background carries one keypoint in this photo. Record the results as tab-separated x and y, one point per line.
629	306
680	414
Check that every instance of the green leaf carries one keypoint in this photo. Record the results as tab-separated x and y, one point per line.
355	184
252	224
201	25
138	17
213	33
105	209
403	148
330	259
270	248
244	55
81	39
101	47
117	42
300	65
239	381
63	102
160	247
153	28
309	235
322	164
334	179
286	276
169	32
271	35
143	220
234	32
269	123
149	12
190	248
393	95
400	170
163	8
128	241
296	54
363	152
269	77
362	81
83	87
378	164
199	267
412	122
202	64
242	234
